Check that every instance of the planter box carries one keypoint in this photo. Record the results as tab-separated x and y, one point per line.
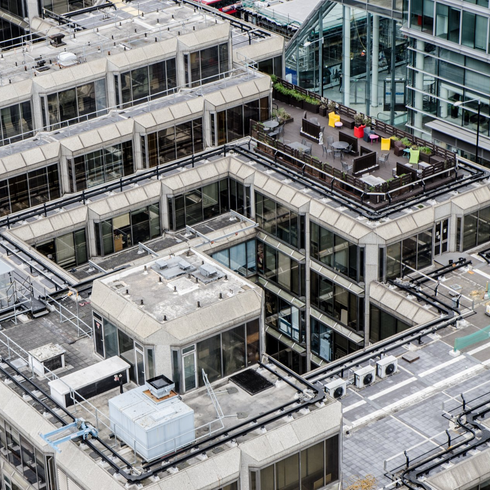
313	108
322	111
296	103
424	157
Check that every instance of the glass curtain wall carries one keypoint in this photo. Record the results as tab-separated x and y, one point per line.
68	250
279	221
219	356
305	68
28	461
111	341
337	302
74	105
308	469
284	317
240	258
281	269
101	166
336	252
16	122
172	143
128	229
329	344
207	202
206	65
30	189
415	252
234	123
384	325
475	230
145	83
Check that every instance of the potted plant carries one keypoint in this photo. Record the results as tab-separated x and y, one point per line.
282	115
297	99
358	120
331	106
425	154
311	104
405	141
280	92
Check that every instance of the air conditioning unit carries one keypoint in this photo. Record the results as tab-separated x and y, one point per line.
336	388
386	366
364	377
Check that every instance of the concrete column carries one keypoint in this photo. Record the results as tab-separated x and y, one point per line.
444	105
32	9
307	292
419	85
346	56
64	174
139	163
371	267
375	66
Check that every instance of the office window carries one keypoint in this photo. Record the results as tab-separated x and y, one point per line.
328	343
30	189
76	104
171	143
206	202
476	228
279	221
414	252
146	83
337	302
219	355
240	258
16	122
308	469
101	166
206	65
284	317
272	66
383	324
128	229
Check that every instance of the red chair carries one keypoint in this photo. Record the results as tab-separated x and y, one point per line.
359	131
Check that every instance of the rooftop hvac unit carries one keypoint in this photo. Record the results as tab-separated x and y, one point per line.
364	377
336	388
386	366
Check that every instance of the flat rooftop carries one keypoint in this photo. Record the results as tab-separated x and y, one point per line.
174	286
112	30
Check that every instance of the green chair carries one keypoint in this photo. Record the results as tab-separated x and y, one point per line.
414	157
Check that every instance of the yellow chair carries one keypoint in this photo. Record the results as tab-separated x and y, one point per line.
332	119
385	144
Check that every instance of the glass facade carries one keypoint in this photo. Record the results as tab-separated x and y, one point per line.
219	356
101	166
111	341
415	252
384	325
240	258
128	229
69	250
285	317
208	202
308	469
337	302
145	83
328	343
28	461
475	230
272	66
206	65
172	143
30	189
16	122
336	252
234	123
74	105
281	269
279	221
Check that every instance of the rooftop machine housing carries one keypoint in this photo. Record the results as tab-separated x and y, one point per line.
151	426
